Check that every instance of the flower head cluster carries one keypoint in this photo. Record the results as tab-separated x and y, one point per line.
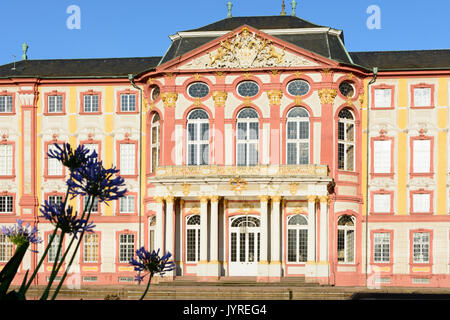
92	179
18	234
69	158
152	263
65	219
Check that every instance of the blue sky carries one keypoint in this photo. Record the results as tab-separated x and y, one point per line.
141	28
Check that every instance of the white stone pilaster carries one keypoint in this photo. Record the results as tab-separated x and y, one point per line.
275	237
263	271
214	269
159	232
202	265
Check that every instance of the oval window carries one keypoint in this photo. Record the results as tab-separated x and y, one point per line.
155	93
347	89
298	87
198	90
247	89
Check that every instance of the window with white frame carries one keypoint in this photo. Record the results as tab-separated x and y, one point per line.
382	156
421	156
346	240
128	102
91	103
297	136
247	137
91	147
193	238
346	140
152	232
297	239
421	202
382	203
127	158
126	248
422	97
381	247
54	166
383	98
6	159
6	248
56	199
421	247
6	204
6	104
55	104
198	138
95	205
155	143
127	204
90	248
53	249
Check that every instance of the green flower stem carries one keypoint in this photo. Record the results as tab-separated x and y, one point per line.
53	274
148	287
10	269
90	203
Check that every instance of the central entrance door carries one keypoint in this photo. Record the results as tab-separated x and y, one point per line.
244	242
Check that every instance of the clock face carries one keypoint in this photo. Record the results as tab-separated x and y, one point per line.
248	89
198	90
298	87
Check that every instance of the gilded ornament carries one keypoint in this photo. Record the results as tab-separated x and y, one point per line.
298	74
275	96
169	99
276	198
169	199
203	199
323	198
293	188
311	198
298	100
197	76
186	189
327	95
159	199
214	198
219	97
238	185
263	198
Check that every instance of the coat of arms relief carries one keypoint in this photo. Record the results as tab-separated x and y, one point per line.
247	50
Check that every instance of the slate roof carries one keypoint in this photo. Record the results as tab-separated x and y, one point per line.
62	68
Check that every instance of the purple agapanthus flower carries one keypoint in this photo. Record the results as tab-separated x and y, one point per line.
92	179
70	158
65	219
151	263
18	234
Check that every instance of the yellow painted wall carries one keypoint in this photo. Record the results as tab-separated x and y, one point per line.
109	140
402	147
442	147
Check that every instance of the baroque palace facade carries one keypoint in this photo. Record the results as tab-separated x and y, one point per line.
256	146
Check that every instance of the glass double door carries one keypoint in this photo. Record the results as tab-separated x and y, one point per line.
244	246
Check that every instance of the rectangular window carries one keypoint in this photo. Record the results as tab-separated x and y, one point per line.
55	104
94	205
383	98
126	204
6	204
382	156
381	247
421	156
127	159
54	166
6	248
422	97
381	203
55	199
91	103
90	248
126	248
421	247
6	159
421	202
6	104
91	147
51	256
127	102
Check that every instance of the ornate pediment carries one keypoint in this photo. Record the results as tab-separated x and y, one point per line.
245	50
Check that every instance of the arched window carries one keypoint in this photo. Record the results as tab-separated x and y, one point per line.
198	138
346	140
152	230
155	143
297	136
297	238
247	137
346	239
193	238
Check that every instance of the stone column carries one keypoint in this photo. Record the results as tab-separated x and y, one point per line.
159	233
202	269
170	230
311	261
214	237
275	261
263	271
323	266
